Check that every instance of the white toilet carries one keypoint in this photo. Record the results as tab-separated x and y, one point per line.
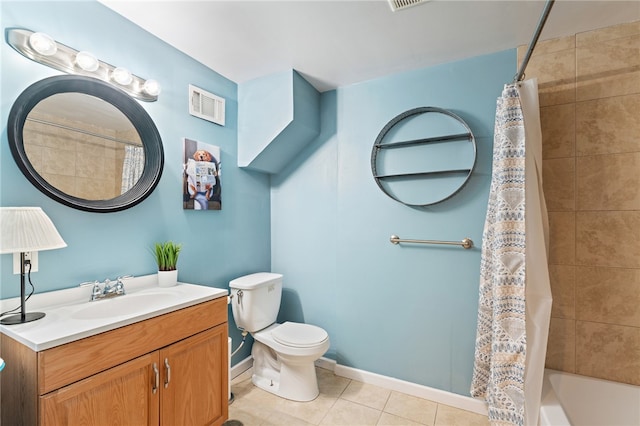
283	354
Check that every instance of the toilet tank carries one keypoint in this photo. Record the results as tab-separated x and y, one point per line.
256	300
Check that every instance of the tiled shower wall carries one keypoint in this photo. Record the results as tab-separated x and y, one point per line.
589	90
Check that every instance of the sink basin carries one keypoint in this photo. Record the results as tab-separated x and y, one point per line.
123	305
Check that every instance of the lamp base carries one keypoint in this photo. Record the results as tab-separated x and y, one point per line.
17	319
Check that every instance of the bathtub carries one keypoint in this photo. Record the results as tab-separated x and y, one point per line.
573	400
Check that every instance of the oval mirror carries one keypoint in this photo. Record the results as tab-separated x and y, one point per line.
85	143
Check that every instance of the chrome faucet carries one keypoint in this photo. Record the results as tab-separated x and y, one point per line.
107	289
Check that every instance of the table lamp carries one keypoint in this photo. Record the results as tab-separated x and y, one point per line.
26	229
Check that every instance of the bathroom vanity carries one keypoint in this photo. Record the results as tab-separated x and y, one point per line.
153	356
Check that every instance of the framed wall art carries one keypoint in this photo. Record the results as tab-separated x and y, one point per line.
202	188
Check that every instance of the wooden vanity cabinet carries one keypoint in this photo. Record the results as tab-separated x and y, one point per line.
118	396
121	378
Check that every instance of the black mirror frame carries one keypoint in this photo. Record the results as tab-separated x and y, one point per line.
153	150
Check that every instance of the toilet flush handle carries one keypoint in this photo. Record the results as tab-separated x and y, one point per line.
239	294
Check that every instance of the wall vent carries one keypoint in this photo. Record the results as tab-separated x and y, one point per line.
404	4
205	105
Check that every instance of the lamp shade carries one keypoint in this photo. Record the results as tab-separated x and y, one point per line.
25	229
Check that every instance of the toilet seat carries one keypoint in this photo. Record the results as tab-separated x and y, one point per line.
299	335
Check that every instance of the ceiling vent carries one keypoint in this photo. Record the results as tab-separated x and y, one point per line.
404	4
205	105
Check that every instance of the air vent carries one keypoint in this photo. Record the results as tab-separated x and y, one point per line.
205	105
404	4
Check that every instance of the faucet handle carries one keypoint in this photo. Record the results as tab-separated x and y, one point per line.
95	292
107	285
120	285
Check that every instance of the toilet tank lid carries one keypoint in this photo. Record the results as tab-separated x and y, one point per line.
256	280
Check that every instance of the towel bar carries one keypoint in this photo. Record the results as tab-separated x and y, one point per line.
466	243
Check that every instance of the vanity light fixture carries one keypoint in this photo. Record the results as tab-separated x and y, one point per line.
152	87
41	48
87	61
43	44
122	76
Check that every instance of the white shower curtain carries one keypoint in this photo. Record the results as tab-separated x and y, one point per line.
132	167
515	296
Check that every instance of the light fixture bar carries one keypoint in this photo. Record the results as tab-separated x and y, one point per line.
64	59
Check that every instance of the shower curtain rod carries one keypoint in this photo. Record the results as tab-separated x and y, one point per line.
543	18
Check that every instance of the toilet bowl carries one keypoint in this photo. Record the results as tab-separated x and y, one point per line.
283	359
283	354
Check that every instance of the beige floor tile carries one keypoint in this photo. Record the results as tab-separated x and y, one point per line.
387	419
278	418
242	384
254	398
349	413
330	384
341	402
247	418
412	408
365	394
312	411
450	416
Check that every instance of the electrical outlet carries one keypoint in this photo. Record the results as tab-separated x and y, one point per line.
32	256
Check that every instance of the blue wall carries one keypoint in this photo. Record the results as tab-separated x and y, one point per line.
218	245
404	311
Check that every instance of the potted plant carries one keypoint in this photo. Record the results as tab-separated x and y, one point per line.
166	255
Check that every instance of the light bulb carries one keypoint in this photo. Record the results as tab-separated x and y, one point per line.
151	87
43	44
87	61
122	76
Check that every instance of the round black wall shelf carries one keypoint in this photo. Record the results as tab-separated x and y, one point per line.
423	156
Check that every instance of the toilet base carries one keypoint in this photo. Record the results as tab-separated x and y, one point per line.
290	379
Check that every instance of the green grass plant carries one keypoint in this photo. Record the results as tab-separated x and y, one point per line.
166	255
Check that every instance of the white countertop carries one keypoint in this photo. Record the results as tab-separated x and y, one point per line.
70	316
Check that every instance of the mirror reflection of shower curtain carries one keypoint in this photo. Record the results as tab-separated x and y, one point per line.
515	296
132	166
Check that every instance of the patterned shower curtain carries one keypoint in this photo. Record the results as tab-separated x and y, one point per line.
514	307
132	167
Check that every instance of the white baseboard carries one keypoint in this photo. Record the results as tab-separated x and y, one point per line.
443	397
240	367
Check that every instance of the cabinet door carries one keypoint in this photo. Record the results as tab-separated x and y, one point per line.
194	380
122	395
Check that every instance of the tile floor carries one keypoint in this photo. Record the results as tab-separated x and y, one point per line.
341	402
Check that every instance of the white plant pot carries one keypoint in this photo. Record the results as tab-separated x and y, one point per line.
167	278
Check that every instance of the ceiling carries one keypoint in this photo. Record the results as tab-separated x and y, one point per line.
342	42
